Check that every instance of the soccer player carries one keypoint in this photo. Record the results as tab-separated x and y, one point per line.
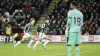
73	28
27	33
42	36
16	38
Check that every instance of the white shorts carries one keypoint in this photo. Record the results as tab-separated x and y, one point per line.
42	35
26	35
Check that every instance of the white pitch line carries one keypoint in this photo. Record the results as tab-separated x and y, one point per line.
66	53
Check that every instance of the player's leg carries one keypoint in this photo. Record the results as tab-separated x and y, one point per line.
77	50
46	41
77	42
70	40
19	42
15	41
69	49
34	47
37	42
31	41
41	37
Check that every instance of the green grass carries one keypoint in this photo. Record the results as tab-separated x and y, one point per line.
53	49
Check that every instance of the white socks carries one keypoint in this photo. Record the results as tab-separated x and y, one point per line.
46	42
31	41
36	44
17	43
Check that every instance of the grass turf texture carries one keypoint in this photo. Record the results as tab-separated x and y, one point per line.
53	49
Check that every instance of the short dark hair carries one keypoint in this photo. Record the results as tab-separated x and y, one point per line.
74	3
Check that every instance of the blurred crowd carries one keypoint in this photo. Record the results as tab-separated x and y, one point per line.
90	9
17	13
58	18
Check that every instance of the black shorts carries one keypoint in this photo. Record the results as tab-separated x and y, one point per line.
7	34
17	39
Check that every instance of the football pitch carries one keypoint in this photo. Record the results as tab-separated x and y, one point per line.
53	49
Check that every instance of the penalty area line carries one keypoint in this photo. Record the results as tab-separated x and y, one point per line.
66	53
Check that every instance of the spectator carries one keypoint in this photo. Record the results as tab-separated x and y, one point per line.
8	33
3	28
54	32
52	25
98	31
27	7
36	14
96	27
0	24
7	14
61	33
0	31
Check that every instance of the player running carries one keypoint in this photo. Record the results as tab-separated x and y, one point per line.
27	33
16	38
73	28
42	36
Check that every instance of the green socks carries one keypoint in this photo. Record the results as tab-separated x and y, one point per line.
77	50
69	50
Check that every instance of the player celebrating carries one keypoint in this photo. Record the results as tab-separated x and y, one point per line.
73	30
27	33
42	36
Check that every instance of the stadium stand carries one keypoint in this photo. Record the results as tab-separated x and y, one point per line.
19	12
90	9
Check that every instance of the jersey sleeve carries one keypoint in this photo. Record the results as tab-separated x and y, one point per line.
15	35
81	22
68	20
